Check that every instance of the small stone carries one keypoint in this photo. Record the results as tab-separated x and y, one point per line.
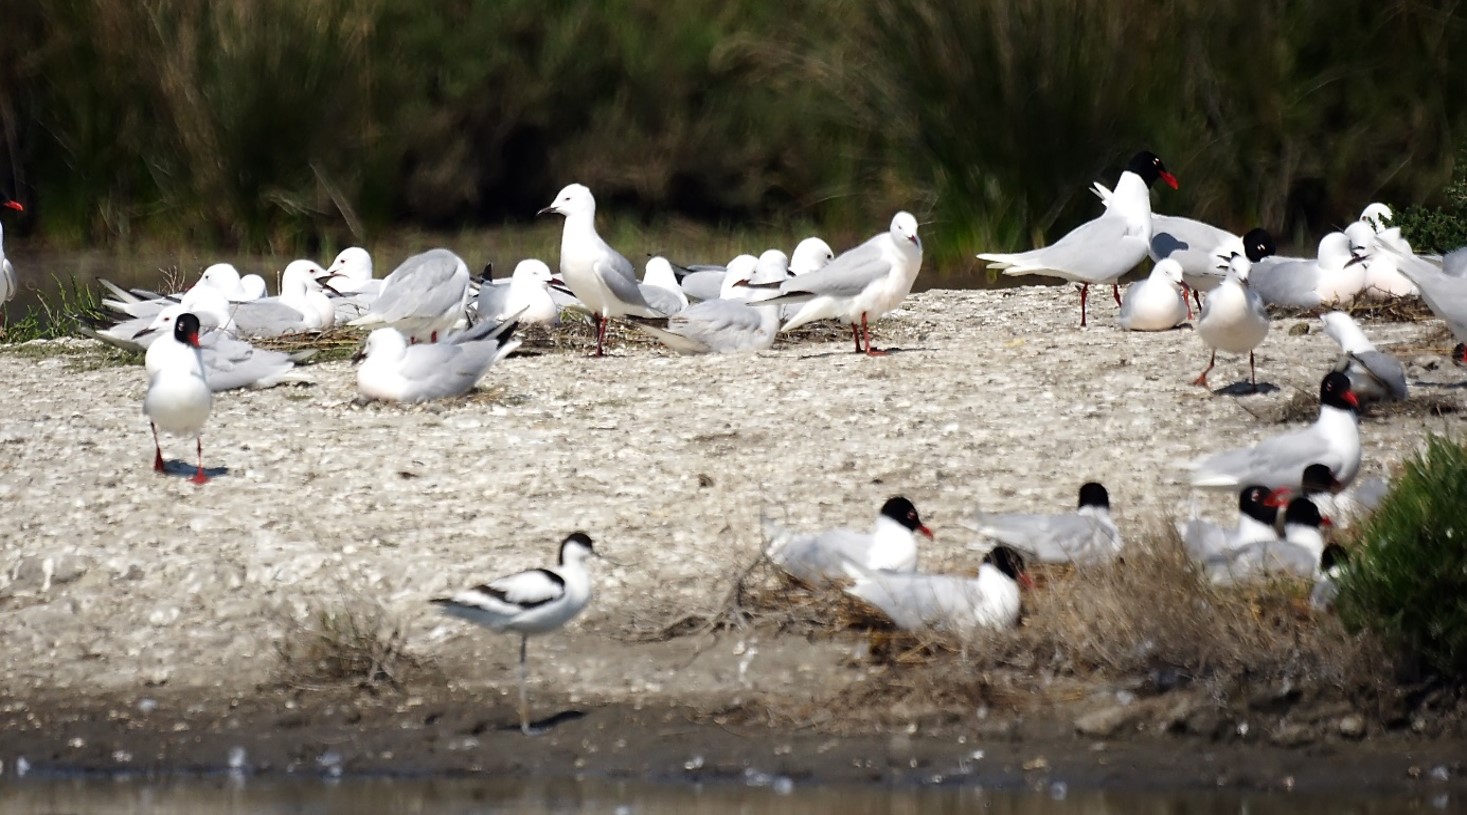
1289	734
1104	722
1299	329
1352	726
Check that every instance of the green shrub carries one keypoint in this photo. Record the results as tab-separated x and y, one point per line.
1407	580
1440	228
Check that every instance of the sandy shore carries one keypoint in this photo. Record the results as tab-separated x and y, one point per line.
117	584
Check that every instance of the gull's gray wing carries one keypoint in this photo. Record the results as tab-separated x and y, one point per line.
619	276
1386	369
231	363
1047	538
718	326
846	276
266	317
660	300
422	286
1274	462
1292	283
493	297
1445	293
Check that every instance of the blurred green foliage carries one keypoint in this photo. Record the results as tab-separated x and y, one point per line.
289	124
1439	228
1407	577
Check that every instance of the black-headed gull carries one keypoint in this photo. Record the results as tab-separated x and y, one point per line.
594	272
524	297
1234	318
1374	375
915	601
1334	276
1332	565
535	601
1086	535
1299	552
1211	545
1332	440
423	298
1193	244
1101	250
229	363
860	285
178	400
394	370
1339	505
8	284
1156	303
816	558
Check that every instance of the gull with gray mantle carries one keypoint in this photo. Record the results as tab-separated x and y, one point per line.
424	296
821	557
395	371
946	602
229	363
1158	302
1234	318
535	601
604	280
860	285
1087	535
1100	250
1375	376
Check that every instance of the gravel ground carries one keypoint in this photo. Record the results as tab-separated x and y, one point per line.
114	579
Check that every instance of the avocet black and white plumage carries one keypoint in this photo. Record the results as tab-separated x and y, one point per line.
536	601
943	601
179	398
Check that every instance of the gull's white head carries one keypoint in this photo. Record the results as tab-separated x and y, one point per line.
737	275
353	263
532	270
1345	331
574	199
384	343
1378	215
301	274
222	277
1362	238
811	254
1168	269
904	228
773	266
659	273
1336	251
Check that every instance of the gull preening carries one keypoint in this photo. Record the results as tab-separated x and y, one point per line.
946	602
1332	440
394	370
821	557
424	297
860	285
1374	375
1086	535
594	272
178	400
535	601
1234	318
1101	250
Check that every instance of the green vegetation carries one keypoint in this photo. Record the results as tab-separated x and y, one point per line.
1407	579
1439	228
55	317
298	125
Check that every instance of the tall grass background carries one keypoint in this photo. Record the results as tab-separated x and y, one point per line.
288	125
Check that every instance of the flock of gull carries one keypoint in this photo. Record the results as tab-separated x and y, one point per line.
435	331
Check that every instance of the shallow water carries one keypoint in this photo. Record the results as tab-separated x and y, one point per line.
241	796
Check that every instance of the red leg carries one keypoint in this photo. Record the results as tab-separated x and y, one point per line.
1115	289
856	335
1084	293
600	335
199	477
157	450
433	337
866	332
1186	290
1202	377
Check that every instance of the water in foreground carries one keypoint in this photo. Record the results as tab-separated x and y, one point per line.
240	796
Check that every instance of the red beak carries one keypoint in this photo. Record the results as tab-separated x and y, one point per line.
924	530
1026	581
1278	498
1326	522
193	339
15	205
1352	399
1170	179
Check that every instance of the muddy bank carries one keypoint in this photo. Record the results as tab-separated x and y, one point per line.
117	585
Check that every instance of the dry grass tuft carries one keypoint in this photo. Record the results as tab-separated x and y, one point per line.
337	343
339	647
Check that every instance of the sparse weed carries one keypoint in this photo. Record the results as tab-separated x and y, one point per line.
358	646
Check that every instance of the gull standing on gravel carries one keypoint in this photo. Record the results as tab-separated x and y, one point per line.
1101	250
946	602
600	276
525	296
1087	535
1193	244
1157	303
536	601
423	297
393	370
9	286
821	557
179	398
861	285
229	363
1374	375
1211	546
1234	318
1332	440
